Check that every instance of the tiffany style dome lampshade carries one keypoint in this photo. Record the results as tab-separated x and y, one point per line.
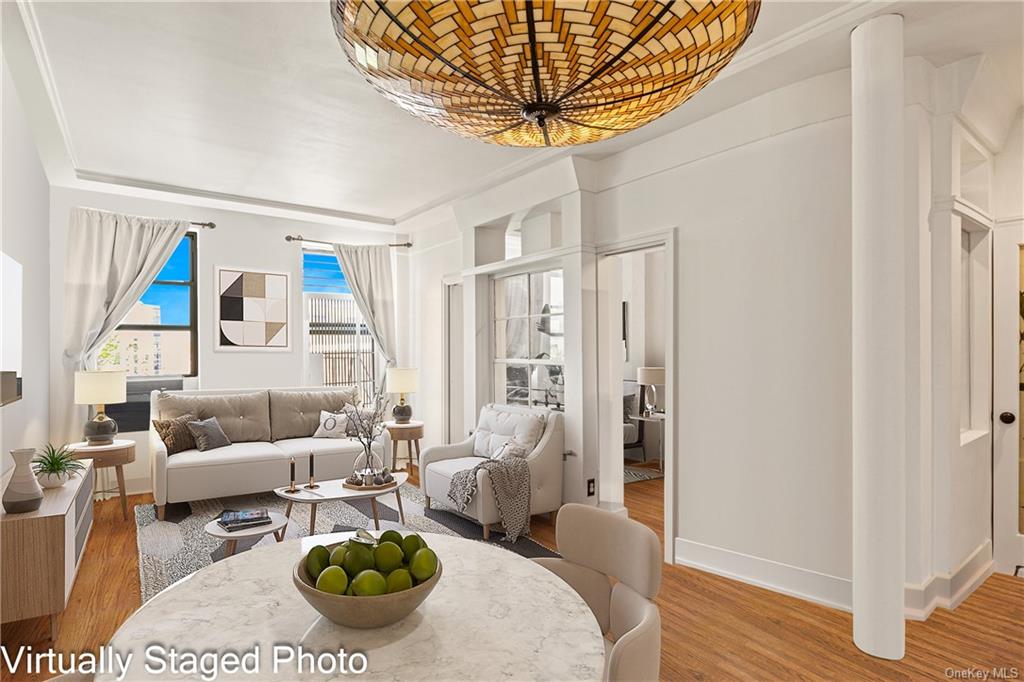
534	73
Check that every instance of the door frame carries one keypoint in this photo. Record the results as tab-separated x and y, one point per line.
447	282
1007	541
611	396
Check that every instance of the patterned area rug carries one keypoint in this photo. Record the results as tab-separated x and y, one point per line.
172	549
637	474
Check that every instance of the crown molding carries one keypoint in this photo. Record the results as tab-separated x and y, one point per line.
96	176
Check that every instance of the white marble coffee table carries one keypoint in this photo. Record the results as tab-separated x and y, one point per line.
493	615
330	491
278	522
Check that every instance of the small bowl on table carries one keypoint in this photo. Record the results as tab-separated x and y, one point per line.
362	612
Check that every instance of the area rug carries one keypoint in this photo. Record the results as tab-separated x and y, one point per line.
637	474
175	548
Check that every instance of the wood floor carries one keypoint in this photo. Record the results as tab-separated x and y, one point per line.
712	628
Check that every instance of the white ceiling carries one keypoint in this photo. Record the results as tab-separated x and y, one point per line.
256	100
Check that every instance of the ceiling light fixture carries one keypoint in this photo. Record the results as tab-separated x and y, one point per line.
534	73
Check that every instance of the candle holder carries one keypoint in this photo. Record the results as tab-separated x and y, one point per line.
312	485
291	469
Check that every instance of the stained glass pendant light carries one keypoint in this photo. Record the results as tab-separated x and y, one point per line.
533	73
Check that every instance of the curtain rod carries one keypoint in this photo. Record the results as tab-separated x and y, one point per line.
300	238
206	225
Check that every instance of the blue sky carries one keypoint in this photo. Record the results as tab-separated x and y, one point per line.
320	273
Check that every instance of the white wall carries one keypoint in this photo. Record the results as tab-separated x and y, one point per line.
240	239
436	254
763	340
25	238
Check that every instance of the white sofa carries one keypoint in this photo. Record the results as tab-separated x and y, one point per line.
536	428
266	428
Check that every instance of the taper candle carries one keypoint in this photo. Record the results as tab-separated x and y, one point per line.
311	466
292	462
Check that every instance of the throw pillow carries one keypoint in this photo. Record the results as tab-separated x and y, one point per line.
511	449
208	434
175	434
332	425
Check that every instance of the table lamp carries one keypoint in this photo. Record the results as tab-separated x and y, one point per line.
402	380
100	388
650	377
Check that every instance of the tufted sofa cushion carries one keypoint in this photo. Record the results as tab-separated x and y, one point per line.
244	417
499	424
296	414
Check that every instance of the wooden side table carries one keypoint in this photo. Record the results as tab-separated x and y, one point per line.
116	455
410	433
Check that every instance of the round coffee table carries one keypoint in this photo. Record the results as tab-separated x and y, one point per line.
330	491
278	522
493	615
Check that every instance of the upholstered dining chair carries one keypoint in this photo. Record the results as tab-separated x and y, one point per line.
598	546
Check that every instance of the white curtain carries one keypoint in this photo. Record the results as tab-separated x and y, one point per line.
112	259
367	270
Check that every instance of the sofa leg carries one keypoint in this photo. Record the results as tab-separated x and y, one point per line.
161	510
487	531
427	498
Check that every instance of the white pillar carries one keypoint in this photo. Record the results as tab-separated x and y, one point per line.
879	331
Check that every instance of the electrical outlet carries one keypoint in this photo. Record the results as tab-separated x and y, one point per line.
591	487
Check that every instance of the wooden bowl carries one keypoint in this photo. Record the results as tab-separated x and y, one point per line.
361	612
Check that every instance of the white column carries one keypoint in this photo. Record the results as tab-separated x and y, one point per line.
879	330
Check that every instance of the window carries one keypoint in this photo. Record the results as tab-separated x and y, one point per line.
159	336
529	340
338	338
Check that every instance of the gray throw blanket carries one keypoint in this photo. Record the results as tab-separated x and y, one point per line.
510	481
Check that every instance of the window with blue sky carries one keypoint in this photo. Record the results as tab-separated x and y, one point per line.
321	274
158	337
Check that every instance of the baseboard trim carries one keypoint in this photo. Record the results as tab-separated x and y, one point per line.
820	588
949	590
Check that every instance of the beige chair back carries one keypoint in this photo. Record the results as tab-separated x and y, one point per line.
611	544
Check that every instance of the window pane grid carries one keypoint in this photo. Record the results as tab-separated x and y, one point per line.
529	345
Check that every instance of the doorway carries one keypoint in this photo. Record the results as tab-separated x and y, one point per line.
454	430
635	351
1008	396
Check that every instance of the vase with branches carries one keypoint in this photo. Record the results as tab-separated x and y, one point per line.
368	417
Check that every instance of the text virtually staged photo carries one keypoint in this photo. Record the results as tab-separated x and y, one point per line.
479	340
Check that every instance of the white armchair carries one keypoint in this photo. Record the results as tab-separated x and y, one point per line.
541	428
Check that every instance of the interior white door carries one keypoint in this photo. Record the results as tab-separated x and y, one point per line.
454	422
1007	328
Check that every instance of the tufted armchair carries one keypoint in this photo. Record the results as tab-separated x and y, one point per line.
539	430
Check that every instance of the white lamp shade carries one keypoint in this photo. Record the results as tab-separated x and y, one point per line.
101	388
650	376
403	379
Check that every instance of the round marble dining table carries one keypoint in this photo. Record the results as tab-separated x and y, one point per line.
493	615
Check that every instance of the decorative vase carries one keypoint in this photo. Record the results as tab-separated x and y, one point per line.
368	465
48	480
23	493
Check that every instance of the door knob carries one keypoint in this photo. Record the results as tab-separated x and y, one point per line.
1007	417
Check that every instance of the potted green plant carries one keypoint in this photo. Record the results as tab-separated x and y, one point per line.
54	466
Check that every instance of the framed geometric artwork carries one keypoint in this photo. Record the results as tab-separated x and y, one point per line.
252	310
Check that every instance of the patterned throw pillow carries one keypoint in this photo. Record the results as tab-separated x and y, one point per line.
511	448
175	434
332	425
208	434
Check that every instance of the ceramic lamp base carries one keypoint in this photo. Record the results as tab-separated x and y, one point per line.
402	414
100	431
